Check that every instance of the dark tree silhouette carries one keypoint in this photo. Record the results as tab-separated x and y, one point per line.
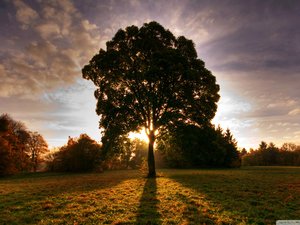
189	146
147	78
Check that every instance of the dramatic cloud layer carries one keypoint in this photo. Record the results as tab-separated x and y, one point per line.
252	47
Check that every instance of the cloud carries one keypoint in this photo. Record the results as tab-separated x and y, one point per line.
48	30
9	83
74	114
251	47
286	102
294	112
57	46
2	71
88	26
57	115
25	14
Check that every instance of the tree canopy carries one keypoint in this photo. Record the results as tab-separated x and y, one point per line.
149	79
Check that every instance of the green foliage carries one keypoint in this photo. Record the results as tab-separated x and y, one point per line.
192	146
148	78
81	155
270	155
139	153
127	154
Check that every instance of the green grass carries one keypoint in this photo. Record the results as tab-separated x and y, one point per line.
254	195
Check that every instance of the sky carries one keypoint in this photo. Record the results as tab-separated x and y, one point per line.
252	47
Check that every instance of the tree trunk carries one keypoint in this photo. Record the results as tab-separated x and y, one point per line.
35	164
151	161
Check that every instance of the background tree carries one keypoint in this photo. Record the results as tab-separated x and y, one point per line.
127	154
232	156
243	152
14	138
270	155
139	153
192	146
289	147
147	78
20	149
78	155
37	146
120	156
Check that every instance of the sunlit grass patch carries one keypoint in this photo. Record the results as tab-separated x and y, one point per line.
250	195
242	196
81	198
181	204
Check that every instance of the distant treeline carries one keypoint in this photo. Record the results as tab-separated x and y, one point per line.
183	147
83	154
270	155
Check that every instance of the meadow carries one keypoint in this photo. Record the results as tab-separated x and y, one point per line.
251	195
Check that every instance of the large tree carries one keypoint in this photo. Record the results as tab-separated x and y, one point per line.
149	79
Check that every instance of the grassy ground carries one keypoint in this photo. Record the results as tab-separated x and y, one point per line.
256	195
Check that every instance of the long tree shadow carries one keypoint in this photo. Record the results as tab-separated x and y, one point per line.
148	208
244	195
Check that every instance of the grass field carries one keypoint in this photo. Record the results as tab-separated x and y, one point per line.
257	195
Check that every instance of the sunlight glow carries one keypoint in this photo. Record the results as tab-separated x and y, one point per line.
231	108
139	135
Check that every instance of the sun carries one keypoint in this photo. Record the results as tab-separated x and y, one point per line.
139	135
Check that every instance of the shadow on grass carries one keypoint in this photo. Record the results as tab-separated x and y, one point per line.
256	197
193	214
148	210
